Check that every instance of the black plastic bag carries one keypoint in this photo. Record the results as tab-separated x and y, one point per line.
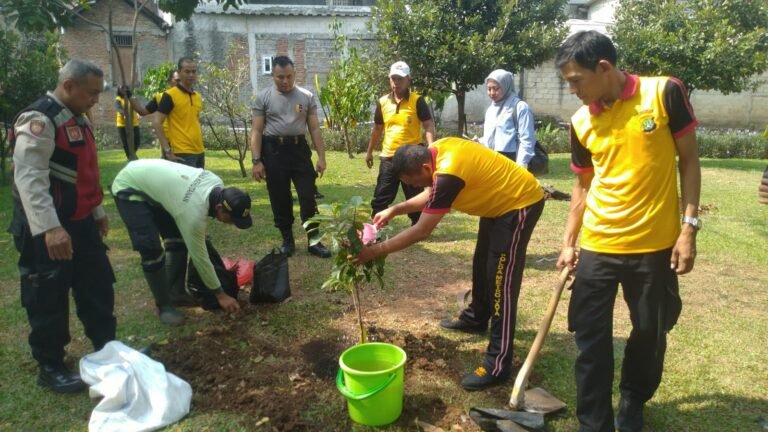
539	163
270	279
227	278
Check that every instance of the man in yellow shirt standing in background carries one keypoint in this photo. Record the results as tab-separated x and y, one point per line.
181	106
121	107
400	115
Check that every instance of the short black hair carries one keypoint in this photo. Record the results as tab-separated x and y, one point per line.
586	48
409	158
183	60
282	61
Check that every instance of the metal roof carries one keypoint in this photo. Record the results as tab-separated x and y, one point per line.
293	10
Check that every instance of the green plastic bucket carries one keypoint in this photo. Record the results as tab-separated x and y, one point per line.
371	378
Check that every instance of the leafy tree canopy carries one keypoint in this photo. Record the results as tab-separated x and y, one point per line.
709	44
452	45
44	15
182	9
29	66
35	16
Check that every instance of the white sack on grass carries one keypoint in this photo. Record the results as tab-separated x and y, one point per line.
139	395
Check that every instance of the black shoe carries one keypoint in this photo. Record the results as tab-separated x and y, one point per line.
318	195
60	379
480	379
630	416
288	247
462	326
319	250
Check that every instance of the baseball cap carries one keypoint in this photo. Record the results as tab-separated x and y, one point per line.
238	204
400	69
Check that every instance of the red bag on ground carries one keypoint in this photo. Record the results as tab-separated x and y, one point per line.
244	271
228	263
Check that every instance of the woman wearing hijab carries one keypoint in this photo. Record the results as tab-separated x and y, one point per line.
513	139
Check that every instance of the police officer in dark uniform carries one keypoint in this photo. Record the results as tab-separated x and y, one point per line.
58	223
280	152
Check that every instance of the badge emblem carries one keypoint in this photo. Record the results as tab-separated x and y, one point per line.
299	108
648	125
36	127
74	133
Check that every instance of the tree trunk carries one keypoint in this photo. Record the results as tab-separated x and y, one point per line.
358	308
348	144
3	151
460	98
132	83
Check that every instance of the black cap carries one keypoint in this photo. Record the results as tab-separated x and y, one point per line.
238	204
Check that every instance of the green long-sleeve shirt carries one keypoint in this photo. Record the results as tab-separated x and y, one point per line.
183	192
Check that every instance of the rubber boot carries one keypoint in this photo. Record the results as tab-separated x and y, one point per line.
289	244
176	270
158	284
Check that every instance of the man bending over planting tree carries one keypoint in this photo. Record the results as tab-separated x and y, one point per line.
471	178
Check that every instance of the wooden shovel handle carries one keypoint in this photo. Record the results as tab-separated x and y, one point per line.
517	400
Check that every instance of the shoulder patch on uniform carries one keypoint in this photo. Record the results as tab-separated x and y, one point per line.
36	127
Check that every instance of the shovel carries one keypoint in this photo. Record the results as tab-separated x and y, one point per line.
538	400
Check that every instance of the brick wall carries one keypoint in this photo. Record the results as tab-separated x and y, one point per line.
89	42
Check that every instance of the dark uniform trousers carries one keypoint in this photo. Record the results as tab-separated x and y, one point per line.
124	138
193	160
146	224
286	160
386	190
651	293
497	275
45	286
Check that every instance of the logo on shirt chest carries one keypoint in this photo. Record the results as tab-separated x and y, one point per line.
74	133
299	108
648	125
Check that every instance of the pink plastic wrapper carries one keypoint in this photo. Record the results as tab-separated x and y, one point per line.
369	233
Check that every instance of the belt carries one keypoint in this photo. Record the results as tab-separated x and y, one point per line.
296	139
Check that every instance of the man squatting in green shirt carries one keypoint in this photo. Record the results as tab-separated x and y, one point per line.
157	198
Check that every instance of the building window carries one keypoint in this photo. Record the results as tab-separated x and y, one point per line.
123	41
266	65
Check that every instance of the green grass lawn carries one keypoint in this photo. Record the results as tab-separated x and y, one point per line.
716	373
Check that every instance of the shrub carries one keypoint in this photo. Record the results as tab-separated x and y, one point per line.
554	138
731	143
358	135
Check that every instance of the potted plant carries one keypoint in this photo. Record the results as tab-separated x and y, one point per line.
343	227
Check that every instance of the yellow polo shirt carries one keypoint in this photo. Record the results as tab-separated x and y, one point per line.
182	109
632	205
401	120
478	181
119	118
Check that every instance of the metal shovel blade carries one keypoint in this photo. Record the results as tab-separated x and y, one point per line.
538	400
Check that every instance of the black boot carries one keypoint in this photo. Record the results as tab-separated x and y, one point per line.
176	271
158	284
630	416
59	379
289	244
317	249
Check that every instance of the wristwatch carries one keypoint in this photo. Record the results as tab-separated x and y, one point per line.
692	221
255	160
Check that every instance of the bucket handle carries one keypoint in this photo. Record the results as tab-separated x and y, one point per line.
349	395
